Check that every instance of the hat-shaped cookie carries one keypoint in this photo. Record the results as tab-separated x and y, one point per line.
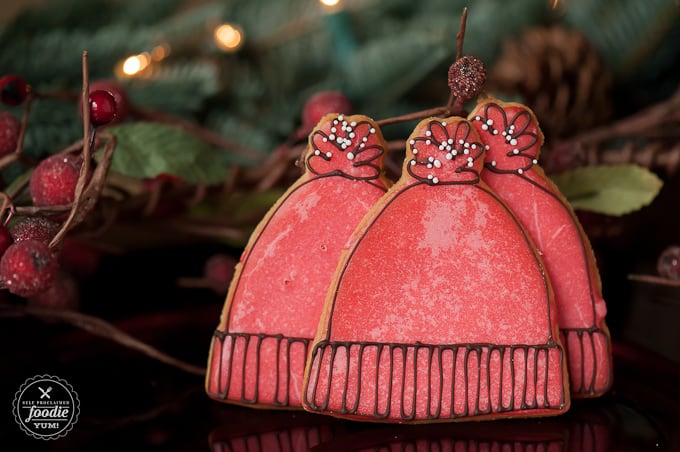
274	303
440	309
514	140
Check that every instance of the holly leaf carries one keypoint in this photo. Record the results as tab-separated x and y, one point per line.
145	150
609	189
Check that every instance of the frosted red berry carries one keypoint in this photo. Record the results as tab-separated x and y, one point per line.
323	103
13	90
28	268
64	293
467	77
34	228
5	239
218	270
9	132
53	182
102	107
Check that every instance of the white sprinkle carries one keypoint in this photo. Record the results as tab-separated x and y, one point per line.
352	135
362	145
477	118
317	152
364	139
513	142
350	156
413	162
520	171
515	151
329	155
372	130
461	141
415	151
430	159
444	123
485	127
473	146
450	141
412	142
344	145
466	151
340	118
504	133
335	122
454	152
449	156
428	134
349	129
331	137
429	165
493	163
353	123
467	145
508	138
344	128
470	159
448	148
430	176
437	164
535	162
325	139
441	147
495	132
470	164
435	180
489	122
487	147
428	142
512	127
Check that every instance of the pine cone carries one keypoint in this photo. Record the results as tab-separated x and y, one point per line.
559	75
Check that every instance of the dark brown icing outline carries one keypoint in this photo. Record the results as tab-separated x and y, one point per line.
232	340
357	149
459	148
320	347
583	389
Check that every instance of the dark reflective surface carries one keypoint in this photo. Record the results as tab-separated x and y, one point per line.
132	402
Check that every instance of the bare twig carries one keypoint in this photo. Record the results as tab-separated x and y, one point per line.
199	132
101	328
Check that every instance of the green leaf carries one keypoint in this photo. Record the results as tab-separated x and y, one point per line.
145	150
610	190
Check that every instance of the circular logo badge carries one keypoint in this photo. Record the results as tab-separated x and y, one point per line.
46	407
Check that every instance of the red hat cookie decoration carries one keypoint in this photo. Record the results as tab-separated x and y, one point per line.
274	303
513	136
440	309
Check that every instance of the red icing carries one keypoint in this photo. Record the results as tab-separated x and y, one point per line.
557	233
441	309
276	298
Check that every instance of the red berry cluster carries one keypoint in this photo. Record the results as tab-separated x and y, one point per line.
31	266
31	269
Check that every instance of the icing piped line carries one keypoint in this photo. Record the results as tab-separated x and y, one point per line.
348	148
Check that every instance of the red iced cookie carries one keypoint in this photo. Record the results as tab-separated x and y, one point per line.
513	139
275	300
440	309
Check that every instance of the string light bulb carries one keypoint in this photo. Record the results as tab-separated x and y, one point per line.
135	64
330	3
229	37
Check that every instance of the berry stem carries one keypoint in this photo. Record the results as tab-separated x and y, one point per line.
102	328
